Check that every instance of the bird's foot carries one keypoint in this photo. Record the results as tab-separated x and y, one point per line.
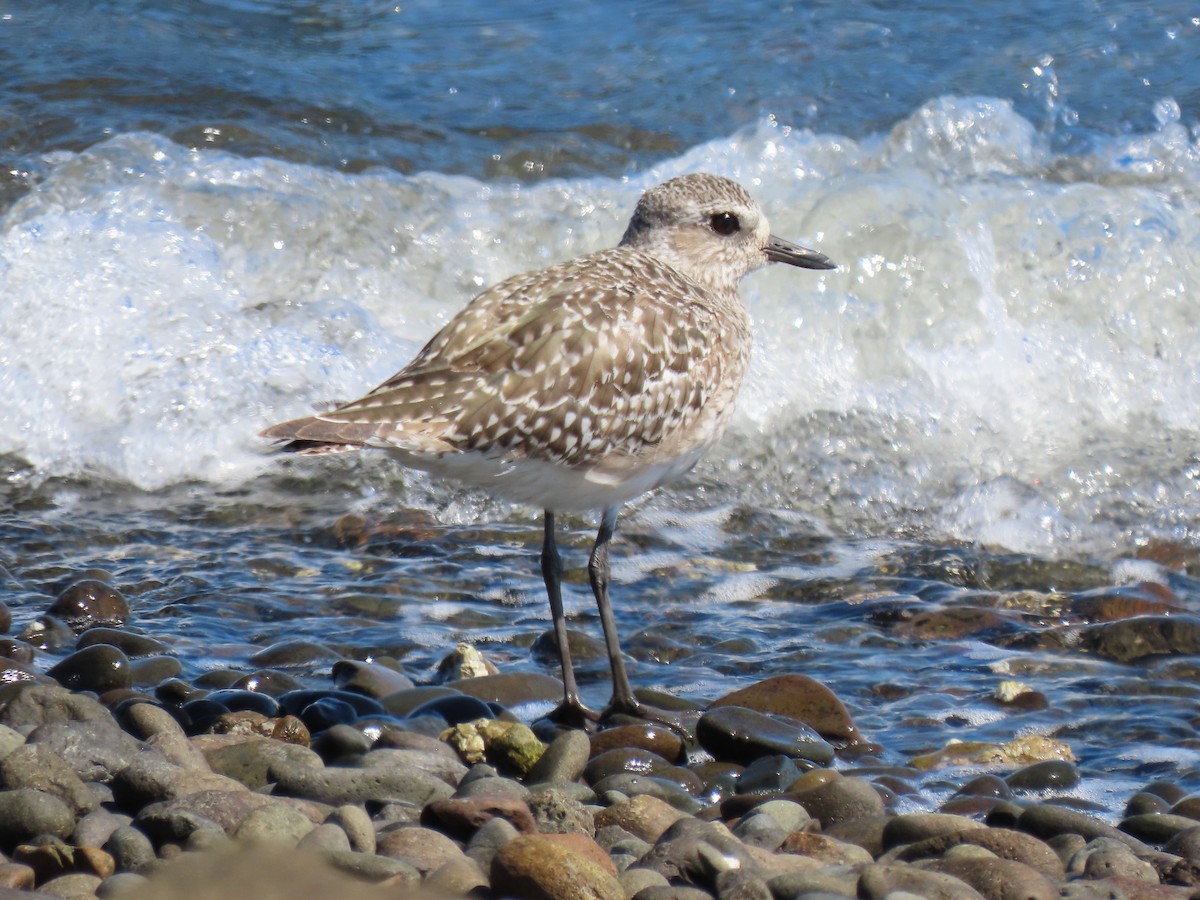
681	721
572	713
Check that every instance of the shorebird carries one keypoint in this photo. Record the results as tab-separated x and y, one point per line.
582	385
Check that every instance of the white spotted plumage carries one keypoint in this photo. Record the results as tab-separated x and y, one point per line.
585	384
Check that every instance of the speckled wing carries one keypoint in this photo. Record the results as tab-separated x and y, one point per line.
567	365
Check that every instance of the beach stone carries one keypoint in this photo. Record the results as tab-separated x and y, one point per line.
26	813
370	678
1152	635
673	892
455	709
487	841
564	760
36	704
1104	858
539	868
131	644
827	850
1048	820
462	816
13	672
154	670
790	815
341	744
657	739
423	848
491	785
275	823
1185	806
999	879
402	703
742	735
1185	844
256	761
635	880
841	799
293	654
121	884
89	603
1156	828
826	883
878	882
47	633
802	698
96	749
323	839
760	830
95	828
130	848
738	885
638	785
98	668
1004	843
908	829
358	827
37	766
17	651
556	813
172	822
150	778
447	767
511	689
239	700
696	852
457	878
400	877
986	785
15	877
341	786
768	775
644	816
74	884
1047	775
623	760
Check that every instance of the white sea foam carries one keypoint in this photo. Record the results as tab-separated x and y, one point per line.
1008	353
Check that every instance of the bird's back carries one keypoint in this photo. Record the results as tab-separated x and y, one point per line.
614	369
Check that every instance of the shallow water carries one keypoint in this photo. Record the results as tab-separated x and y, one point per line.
219	214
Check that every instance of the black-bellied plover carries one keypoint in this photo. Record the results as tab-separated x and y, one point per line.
585	384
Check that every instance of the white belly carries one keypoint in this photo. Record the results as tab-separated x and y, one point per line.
554	487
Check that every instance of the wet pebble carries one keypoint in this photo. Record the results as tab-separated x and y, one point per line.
743	735
802	698
98	668
89	603
372	679
132	644
1047	775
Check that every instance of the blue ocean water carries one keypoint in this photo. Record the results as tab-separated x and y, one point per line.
216	214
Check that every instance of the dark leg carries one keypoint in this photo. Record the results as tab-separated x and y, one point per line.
623	699
571	711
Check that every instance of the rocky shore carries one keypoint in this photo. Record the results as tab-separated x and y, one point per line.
375	787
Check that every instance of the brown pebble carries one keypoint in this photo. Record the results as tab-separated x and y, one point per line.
800	697
425	849
16	877
537	867
583	845
88	603
659	740
643	816
462	816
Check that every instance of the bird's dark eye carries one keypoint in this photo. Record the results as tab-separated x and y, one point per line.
725	223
